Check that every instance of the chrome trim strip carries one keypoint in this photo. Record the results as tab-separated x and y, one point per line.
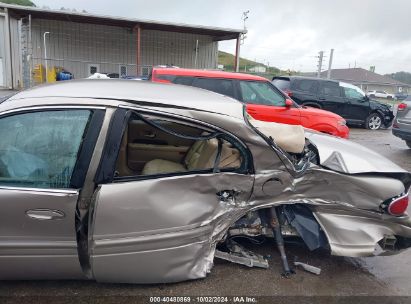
51	107
41	190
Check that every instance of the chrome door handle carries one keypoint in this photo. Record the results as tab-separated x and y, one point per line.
45	214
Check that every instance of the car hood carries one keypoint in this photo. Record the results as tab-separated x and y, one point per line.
309	111
345	156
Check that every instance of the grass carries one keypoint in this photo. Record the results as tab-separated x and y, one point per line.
228	59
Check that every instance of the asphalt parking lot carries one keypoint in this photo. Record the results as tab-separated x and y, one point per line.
375	276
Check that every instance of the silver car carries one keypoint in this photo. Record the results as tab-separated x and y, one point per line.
138	182
401	126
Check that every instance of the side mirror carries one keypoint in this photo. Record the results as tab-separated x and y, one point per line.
289	103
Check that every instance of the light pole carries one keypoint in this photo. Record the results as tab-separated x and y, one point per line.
45	52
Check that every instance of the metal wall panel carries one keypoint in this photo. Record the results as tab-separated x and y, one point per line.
2	52
179	49
75	46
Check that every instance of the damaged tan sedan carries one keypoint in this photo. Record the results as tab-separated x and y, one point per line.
137	182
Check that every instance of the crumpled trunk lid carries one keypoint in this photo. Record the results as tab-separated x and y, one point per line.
346	156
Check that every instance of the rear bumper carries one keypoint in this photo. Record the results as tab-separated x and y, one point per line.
356	236
405	135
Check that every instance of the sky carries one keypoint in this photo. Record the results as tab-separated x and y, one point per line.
287	34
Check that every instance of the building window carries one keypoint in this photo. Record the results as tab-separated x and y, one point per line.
93	68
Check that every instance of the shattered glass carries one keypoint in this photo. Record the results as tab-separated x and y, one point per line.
39	149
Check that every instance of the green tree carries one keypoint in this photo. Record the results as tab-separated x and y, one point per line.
401	76
19	2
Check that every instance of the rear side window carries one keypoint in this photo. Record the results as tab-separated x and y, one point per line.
261	92
183	80
305	85
222	86
282	83
329	88
166	77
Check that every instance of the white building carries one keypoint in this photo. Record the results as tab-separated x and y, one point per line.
258	69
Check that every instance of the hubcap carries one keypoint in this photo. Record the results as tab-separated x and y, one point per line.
375	122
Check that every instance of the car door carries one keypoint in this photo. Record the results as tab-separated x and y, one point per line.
149	227
264	102
43	159
357	106
330	95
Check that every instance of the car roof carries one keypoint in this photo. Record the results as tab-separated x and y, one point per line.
207	74
143	93
286	77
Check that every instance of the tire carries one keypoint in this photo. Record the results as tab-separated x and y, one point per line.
408	142
372	96
389	97
373	121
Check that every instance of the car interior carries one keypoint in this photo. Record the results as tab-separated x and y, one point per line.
162	147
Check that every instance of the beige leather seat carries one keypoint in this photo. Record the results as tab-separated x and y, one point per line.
201	155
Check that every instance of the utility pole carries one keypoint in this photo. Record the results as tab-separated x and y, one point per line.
320	63
330	62
240	41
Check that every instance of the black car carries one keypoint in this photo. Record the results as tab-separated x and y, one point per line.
341	98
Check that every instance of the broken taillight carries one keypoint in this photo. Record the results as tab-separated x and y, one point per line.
398	206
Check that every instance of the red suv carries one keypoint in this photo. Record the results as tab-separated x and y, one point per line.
263	100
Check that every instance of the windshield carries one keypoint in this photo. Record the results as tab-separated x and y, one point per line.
261	92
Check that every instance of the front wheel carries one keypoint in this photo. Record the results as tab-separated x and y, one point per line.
408	142
373	121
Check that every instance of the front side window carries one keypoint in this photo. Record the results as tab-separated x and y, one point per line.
352	93
39	149
261	92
